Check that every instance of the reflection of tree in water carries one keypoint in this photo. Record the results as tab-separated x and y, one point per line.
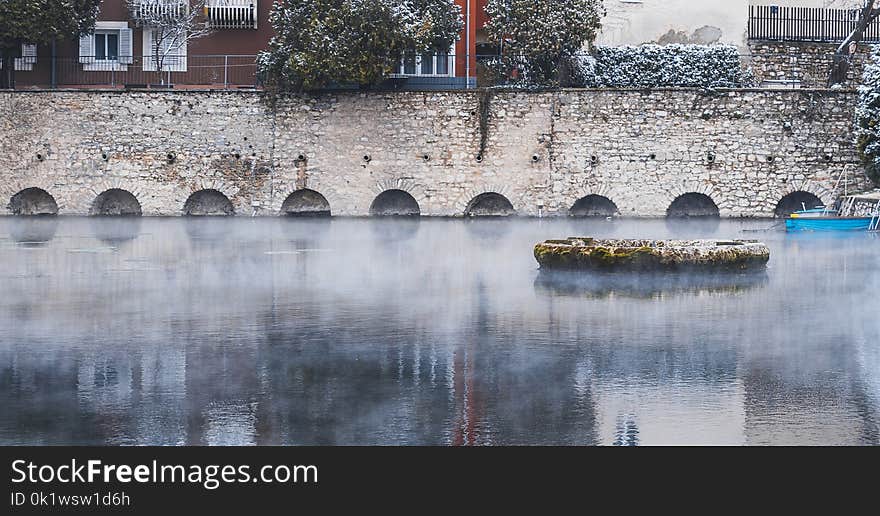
41	404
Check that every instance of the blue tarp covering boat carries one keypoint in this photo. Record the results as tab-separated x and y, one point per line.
828	223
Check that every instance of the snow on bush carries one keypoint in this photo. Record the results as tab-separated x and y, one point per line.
656	66
646	66
322	42
868	117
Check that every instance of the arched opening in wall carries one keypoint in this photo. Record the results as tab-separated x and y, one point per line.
594	206
208	203
116	203
693	205
395	203
305	203
489	204
797	201
33	201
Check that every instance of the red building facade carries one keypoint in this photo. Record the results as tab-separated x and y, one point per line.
122	52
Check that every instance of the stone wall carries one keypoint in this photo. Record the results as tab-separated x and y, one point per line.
807	63
745	149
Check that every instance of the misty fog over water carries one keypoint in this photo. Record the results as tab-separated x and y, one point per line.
343	331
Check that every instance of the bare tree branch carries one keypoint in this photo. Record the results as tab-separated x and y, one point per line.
172	24
841	62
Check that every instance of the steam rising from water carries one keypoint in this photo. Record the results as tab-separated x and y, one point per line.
265	331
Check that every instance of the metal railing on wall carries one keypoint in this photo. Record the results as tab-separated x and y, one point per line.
774	67
218	71
807	24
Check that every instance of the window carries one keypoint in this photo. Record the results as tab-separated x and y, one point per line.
171	52
28	58
107	46
427	64
108	49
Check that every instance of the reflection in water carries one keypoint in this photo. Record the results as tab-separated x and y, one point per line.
394	229
627	433
274	331
645	285
487	230
694	227
205	230
115	231
33	231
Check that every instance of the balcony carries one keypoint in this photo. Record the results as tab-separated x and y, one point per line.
231	14
150	11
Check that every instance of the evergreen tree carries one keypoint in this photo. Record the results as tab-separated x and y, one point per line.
538	37
319	42
40	22
868	117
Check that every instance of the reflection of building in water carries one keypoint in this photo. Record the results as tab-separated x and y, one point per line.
469	403
822	394
627	433
33	231
261	340
649	407
506	392
136	397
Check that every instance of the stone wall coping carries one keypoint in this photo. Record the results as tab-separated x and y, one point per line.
193	91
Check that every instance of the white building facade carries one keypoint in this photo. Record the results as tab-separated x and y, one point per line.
636	22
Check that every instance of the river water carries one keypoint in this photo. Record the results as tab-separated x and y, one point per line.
440	332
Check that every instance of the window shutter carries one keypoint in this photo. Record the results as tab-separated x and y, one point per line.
125	46
87	49
28	58
29	53
180	50
149	59
175	49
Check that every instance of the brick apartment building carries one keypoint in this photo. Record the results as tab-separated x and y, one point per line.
119	53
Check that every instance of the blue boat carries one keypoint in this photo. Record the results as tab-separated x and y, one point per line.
828	223
852	216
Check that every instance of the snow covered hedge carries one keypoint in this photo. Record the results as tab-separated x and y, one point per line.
656	66
868	117
646	66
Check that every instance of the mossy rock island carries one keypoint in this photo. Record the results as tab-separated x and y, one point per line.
590	254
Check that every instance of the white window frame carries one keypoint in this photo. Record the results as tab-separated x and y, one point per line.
450	72
91	64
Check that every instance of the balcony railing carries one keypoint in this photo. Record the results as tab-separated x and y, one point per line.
808	24
231	14
160	9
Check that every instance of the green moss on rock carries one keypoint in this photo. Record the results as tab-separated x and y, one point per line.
651	255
